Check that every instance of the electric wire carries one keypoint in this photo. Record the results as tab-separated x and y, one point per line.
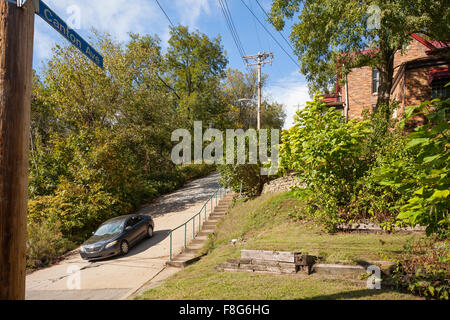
232	27
282	48
281	34
167	16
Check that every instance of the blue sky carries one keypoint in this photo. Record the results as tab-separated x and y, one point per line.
119	17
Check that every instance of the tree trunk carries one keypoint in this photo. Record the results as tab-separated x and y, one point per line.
386	69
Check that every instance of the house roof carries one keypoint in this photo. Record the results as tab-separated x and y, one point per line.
433	45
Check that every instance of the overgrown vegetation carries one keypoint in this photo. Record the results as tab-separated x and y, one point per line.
373	170
101	139
423	176
424	269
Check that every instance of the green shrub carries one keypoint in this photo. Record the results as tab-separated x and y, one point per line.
45	243
424	269
327	152
424	176
245	178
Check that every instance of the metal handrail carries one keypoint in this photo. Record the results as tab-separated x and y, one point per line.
218	195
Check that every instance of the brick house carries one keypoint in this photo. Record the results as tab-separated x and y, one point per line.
420	73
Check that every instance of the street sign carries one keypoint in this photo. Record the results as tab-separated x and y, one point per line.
59	25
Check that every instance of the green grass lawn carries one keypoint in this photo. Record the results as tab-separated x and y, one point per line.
264	223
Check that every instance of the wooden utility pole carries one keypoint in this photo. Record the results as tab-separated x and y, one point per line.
16	58
260	58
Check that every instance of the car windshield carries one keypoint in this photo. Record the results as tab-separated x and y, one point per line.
113	227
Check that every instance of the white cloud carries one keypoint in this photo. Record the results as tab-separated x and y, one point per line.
190	11
119	18
292	91
43	42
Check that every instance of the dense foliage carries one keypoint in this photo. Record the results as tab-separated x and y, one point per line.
371	169
101	139
423	176
424	269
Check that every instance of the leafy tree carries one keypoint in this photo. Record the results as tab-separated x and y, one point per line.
240	91
336	33
196	64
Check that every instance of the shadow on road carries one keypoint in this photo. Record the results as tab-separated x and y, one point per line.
199	190
158	236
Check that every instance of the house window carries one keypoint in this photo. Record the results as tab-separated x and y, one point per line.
438	89
375	81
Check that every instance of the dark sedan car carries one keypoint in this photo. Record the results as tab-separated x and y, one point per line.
117	236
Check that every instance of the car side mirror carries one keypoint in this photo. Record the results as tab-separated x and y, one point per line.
127	228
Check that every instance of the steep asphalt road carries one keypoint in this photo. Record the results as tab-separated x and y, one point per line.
117	277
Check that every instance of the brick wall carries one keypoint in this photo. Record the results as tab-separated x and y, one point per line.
415	50
360	95
360	82
417	88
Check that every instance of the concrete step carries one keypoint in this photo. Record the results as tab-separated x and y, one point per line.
215	219
210	224
205	233
219	208
183	260
217	215
191	250
190	254
201	240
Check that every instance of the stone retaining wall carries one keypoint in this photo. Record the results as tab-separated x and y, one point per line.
282	184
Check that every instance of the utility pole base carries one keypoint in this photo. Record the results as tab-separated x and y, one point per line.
16	59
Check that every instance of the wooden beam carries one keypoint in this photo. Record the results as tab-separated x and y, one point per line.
16	58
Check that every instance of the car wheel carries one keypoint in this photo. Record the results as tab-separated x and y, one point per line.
149	232
124	247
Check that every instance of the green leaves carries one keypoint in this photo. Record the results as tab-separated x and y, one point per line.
326	152
424	176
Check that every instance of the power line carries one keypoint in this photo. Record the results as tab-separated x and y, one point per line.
293	60
168	87
234	26
171	23
231	27
281	34
167	16
256	30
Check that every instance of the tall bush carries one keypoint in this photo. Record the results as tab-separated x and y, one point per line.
326	151
424	175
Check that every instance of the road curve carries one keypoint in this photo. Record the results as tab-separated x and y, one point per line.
76	279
